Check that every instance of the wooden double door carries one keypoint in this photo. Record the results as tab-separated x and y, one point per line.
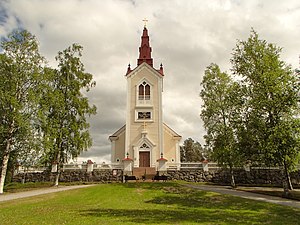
144	159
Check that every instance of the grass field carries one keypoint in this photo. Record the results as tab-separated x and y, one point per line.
143	203
19	187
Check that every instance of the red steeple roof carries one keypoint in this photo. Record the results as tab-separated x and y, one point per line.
145	50
145	54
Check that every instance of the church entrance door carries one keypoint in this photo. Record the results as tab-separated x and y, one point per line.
144	159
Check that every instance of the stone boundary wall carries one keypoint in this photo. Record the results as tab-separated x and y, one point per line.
72	176
252	177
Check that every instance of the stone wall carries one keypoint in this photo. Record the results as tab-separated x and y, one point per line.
252	177
72	176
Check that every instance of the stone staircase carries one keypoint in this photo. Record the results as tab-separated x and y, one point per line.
139	172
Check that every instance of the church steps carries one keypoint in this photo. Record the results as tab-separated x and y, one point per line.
139	172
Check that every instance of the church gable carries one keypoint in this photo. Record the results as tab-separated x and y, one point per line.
117	134
171	132
118	145
140	69
145	141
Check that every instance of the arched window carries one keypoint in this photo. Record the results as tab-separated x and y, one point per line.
144	91
141	92
147	92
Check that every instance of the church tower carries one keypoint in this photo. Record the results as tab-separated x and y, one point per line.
144	135
145	140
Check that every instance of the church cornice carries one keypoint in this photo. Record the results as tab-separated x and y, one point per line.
142	66
115	136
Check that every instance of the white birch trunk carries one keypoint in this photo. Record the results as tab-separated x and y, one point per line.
57	177
6	157
4	167
232	182
58	170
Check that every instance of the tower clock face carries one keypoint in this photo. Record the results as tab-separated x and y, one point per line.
144	115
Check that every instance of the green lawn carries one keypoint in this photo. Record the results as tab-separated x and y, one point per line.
143	203
19	187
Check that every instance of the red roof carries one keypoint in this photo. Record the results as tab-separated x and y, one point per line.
145	50
127	159
145	54
162	159
90	162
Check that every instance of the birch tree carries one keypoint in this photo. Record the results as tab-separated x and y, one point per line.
21	67
66	109
272	93
220	114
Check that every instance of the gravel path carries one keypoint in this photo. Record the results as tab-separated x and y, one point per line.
243	194
25	194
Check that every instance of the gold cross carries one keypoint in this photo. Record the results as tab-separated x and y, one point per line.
145	21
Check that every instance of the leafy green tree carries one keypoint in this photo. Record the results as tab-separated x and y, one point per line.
29	153
272	96
191	151
221	116
20	75
65	124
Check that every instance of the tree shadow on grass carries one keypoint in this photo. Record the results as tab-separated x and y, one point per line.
189	197
178	216
150	185
195	207
157	216
196	199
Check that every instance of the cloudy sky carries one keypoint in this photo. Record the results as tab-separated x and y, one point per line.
185	35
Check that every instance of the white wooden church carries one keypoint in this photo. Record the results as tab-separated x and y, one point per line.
145	144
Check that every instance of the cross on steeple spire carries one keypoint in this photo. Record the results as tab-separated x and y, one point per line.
145	22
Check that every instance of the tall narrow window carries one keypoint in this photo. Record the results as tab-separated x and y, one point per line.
144	91
141	92
147	92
